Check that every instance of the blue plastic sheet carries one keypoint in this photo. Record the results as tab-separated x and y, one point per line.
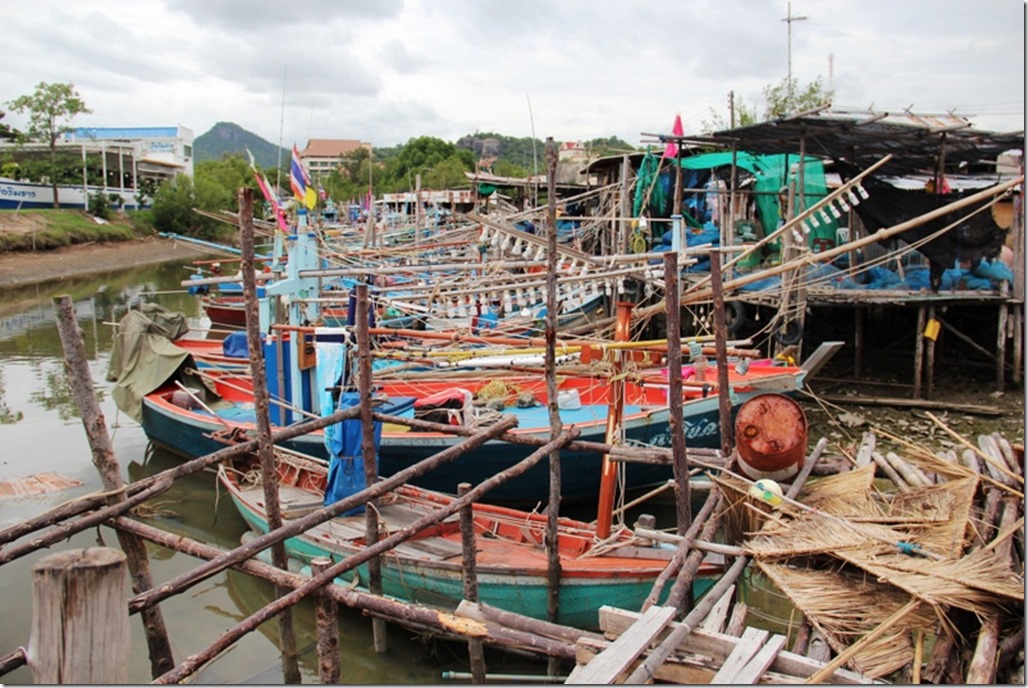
346	467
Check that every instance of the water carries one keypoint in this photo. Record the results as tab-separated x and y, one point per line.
40	431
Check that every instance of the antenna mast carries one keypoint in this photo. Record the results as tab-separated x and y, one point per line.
789	19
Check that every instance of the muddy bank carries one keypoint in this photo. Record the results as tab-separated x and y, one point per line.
32	267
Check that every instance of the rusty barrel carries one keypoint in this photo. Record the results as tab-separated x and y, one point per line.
771	437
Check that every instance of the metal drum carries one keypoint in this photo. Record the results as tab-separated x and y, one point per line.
771	437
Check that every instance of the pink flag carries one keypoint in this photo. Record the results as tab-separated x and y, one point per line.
671	150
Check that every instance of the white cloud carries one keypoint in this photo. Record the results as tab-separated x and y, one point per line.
388	71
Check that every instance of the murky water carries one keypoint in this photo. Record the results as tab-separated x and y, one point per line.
40	432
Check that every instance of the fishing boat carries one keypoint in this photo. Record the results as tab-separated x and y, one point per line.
185	415
510	559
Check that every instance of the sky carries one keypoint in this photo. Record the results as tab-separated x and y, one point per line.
388	71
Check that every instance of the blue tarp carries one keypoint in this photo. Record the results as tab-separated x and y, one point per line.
346	467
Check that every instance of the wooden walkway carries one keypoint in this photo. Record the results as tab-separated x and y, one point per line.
707	655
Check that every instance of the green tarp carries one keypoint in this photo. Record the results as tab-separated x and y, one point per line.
143	356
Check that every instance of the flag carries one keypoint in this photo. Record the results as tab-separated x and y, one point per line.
269	193
671	150
301	182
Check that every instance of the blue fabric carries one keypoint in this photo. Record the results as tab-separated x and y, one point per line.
995	270
346	467
234	345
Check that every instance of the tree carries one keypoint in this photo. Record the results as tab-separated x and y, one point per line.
51	108
7	133
779	100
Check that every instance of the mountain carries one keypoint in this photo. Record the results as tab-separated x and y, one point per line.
226	138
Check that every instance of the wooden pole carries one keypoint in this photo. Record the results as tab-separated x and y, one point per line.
608	469
194	662
498	633
327	621
368	450
265	448
720	335
299	525
930	357
919	351
81	383
1001	347
679	462
552	535
80	627
469	569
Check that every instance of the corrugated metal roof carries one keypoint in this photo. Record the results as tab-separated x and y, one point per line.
864	137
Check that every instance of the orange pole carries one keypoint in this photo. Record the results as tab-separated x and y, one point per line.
608	469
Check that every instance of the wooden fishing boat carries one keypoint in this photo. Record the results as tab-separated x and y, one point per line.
510	557
224	311
184	422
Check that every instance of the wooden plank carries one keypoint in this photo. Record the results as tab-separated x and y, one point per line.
613	621
612	662
715	619
819	358
750	643
755	668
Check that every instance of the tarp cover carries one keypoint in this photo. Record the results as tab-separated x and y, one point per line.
346	466
143	356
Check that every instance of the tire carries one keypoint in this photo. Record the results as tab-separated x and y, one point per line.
790	333
735	316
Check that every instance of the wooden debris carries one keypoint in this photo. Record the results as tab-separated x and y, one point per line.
40	483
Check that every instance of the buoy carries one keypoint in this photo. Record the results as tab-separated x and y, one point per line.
771	437
767	490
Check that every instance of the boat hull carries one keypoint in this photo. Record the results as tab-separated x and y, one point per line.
186	432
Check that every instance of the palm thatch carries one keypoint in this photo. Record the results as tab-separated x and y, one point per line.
845	606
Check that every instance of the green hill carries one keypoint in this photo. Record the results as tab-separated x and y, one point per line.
226	138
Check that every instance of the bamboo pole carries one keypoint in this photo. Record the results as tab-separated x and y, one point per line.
194	662
679	461
81	383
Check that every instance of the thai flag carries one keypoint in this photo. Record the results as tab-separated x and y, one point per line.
301	183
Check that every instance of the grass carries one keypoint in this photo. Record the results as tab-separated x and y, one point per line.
44	230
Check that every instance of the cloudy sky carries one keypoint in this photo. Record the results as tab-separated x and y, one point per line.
386	71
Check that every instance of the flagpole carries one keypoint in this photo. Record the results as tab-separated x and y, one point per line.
281	126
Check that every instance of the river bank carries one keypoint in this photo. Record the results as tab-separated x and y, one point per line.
19	268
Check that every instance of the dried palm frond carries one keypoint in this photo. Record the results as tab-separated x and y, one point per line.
842	494
939	516
820	533
845	607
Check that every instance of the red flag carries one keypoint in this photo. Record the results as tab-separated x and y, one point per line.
671	150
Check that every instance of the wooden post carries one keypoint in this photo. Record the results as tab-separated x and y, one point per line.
679	463
720	334
327	620
470	571
378	626
1001	347
858	342
80	625
552	535
919	350
80	380
265	448
930	363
